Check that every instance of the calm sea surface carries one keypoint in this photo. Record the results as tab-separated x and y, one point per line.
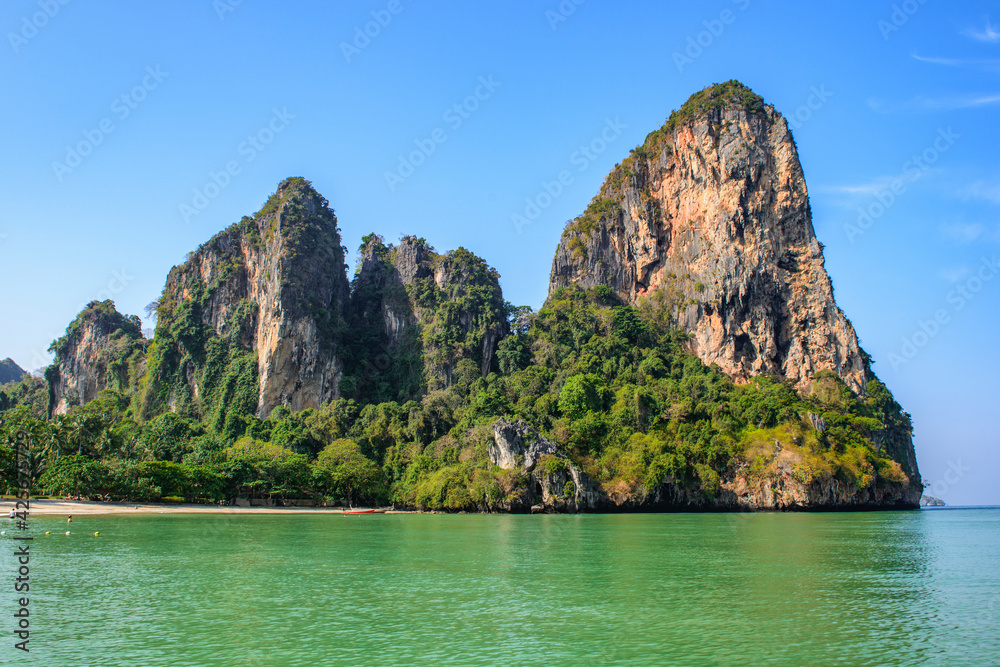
900	588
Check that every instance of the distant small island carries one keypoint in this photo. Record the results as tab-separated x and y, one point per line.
10	372
931	501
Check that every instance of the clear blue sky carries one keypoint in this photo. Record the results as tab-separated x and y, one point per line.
201	77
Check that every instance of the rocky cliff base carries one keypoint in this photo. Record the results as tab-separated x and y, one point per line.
546	480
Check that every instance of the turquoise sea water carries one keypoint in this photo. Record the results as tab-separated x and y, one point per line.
900	588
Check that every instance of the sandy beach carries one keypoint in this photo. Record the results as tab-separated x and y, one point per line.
81	507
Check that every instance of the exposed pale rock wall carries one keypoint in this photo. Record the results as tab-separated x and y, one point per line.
712	216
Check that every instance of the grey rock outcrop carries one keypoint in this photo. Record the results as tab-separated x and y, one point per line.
552	478
551	481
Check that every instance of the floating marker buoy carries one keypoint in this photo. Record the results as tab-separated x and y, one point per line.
3	532
67	532
46	532
97	533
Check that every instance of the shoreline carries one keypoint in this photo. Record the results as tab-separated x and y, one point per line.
91	507
59	507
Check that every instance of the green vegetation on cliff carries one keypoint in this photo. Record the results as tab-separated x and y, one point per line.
713	99
610	384
415	314
202	363
185	353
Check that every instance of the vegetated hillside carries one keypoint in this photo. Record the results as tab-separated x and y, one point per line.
10	371
30	391
269	378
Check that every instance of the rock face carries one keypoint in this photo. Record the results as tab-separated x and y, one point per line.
551	477
100	350
273	285
781	487
710	217
10	371
433	313
553	483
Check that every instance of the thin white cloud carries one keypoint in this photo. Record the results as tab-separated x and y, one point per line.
982	190
851	195
953	275
963	232
987	34
868	189
950	62
988	64
936	103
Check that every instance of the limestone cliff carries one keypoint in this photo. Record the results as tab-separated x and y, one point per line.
710	218
101	349
251	320
431	313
